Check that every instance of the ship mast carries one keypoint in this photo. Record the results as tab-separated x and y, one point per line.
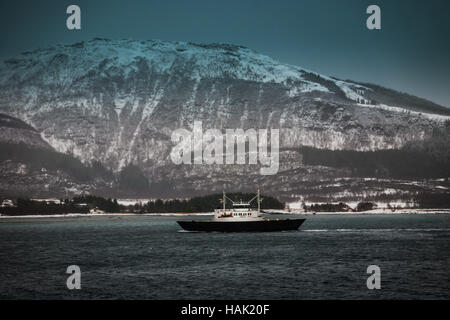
257	197
223	199
259	202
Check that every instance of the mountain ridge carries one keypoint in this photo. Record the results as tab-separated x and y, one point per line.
118	101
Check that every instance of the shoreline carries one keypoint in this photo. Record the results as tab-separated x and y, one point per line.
268	213
79	215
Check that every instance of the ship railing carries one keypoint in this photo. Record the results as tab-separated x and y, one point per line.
219	211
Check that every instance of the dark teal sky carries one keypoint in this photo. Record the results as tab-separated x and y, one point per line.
411	53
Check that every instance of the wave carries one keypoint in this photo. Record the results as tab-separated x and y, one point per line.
377	230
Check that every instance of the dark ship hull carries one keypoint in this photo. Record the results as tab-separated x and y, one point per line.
242	226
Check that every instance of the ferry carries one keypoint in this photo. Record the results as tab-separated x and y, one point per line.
241	218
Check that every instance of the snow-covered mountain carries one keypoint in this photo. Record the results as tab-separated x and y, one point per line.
118	101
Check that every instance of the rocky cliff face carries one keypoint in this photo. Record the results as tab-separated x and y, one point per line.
29	166
118	101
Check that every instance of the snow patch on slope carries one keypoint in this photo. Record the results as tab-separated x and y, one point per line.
431	116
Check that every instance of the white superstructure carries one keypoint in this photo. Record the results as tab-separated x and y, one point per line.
241	211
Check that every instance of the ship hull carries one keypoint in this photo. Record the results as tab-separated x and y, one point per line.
242	226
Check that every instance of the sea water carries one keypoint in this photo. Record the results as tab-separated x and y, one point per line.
150	257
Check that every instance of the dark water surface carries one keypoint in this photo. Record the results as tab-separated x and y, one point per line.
145	257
